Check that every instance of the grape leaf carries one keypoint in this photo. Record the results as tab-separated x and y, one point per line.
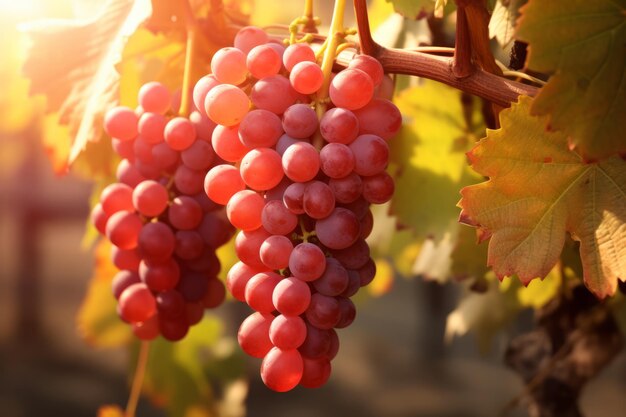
581	43
180	376
17	111
379	12
72	62
429	164
538	190
150	57
502	22
428	160
428	156
97	320
413	9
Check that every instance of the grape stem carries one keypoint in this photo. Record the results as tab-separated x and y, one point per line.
489	86
140	371
192	29
336	33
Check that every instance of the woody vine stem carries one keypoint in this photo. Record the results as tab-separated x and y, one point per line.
471	80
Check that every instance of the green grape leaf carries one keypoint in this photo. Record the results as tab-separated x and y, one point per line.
97	320
429	164
72	63
428	157
538	191
181	376
581	43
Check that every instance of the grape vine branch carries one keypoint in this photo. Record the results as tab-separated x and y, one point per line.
471	80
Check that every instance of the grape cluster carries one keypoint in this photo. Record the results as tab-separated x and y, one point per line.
299	191
163	227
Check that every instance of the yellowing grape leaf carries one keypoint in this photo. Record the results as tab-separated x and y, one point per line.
428	156
97	320
538	190
72	63
581	43
180	376
17	111
150	57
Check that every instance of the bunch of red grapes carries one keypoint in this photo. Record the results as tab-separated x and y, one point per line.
299	190
163	228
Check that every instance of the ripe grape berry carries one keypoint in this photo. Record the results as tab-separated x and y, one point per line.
164	228
302	209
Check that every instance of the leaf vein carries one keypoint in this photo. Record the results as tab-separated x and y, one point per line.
549	210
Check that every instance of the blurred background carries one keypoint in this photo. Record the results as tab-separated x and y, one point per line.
392	362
